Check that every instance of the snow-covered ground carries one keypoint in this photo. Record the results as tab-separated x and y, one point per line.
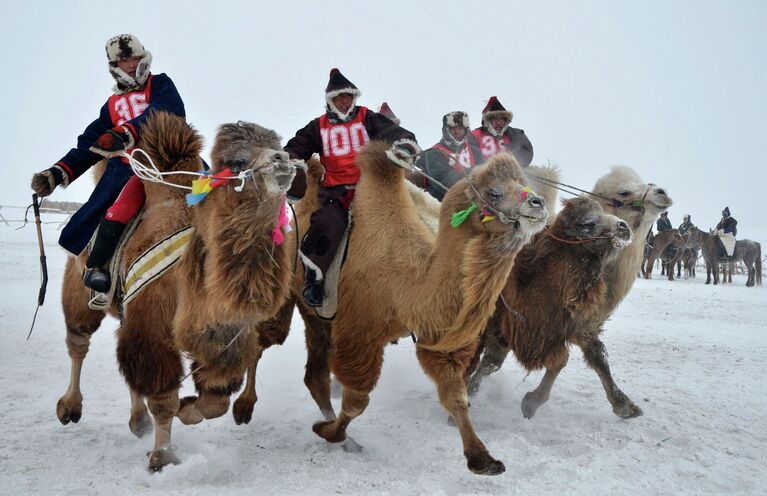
692	356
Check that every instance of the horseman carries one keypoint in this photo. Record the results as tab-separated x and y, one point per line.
337	136
727	229
117	129
686	225
449	160
496	136
663	223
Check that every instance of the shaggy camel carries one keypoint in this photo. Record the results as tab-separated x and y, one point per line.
233	257
397	278
662	241
556	290
638	204
170	140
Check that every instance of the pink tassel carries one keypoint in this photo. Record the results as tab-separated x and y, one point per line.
282	221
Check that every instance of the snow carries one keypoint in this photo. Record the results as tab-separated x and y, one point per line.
690	355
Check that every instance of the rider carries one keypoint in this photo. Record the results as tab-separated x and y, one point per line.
686	224
336	136
495	135
728	224
117	129
663	223
449	160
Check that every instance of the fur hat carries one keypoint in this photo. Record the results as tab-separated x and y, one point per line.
338	84
125	46
726	212
686	217
492	110
386	111
453	119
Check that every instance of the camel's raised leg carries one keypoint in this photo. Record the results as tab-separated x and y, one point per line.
317	375
81	323
163	407
494	354
140	423
214	389
595	355
540	395
447	371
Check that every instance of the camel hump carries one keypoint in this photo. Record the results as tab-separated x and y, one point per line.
170	142
372	160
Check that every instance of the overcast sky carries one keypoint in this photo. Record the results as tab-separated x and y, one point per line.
675	89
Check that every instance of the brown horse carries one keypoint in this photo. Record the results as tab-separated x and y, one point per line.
690	253
662	241
750	253
713	252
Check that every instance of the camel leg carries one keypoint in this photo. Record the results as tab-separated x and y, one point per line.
317	375
214	390
163	407
492	359
140	423
595	355
81	323
242	410
447	371
540	395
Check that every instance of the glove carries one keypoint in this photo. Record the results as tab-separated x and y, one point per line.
44	182
298	186
403	153
114	141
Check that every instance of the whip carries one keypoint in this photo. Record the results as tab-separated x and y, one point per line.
43	264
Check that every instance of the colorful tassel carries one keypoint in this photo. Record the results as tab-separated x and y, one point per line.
460	217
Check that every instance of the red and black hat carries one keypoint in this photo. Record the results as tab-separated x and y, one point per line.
494	109
386	111
338	84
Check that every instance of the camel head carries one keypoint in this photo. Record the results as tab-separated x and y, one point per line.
622	193
248	148
505	201
583	219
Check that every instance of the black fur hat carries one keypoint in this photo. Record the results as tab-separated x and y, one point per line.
494	109
338	84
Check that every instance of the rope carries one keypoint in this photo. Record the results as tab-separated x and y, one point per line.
572	241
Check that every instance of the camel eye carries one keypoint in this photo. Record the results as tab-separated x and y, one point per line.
624	192
237	165
588	225
495	194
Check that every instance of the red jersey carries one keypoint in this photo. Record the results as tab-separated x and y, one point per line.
490	145
340	143
463	158
128	106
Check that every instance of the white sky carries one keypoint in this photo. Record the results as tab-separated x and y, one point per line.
674	89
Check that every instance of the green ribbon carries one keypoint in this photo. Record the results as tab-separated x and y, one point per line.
459	217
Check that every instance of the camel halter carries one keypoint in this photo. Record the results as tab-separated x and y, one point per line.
572	241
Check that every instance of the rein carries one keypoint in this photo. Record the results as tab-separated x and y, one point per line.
572	241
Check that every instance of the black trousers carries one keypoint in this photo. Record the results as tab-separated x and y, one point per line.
326	229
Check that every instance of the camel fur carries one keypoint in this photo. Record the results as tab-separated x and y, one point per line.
399	278
621	193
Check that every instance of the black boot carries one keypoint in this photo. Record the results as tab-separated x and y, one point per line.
313	289
96	276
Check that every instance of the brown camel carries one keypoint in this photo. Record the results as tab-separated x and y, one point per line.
662	241
555	291
397	278
170	140
638	204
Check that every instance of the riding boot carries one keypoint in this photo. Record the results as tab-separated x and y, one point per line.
314	290
96	276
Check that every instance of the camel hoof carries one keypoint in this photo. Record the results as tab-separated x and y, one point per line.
529	405
140	425
327	432
68	413
484	464
242	410
188	413
627	411
162	457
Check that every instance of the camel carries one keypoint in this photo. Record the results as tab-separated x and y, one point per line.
624	195
661	242
555	292
398	278
165	212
